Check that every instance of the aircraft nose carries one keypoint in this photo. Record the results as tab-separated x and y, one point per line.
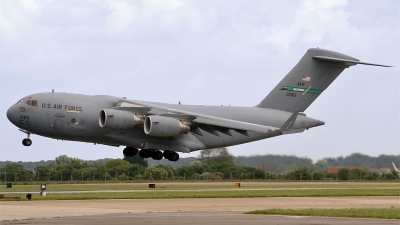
11	114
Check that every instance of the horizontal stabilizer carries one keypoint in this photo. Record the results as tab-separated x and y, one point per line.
333	59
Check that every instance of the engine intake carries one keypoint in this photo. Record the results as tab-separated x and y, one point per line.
161	126
119	119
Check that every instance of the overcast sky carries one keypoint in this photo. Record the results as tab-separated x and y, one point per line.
204	52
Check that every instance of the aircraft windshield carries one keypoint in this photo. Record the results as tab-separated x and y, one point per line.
29	102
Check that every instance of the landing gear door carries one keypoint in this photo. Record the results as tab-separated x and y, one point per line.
58	126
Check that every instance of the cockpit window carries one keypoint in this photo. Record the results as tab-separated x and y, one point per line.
29	101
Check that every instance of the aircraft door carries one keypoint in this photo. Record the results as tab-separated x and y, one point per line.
58	126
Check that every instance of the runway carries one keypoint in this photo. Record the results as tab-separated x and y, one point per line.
198	218
187	211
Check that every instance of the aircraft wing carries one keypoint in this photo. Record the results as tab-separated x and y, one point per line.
201	120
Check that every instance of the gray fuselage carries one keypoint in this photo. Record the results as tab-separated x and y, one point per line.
75	117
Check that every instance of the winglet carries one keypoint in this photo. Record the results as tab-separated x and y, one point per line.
288	125
395	168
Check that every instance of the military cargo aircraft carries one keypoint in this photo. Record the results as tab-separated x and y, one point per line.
161	130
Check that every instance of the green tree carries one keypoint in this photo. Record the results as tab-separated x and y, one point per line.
66	170
372	175
155	173
42	172
170	170
390	176
107	176
188	172
343	174
122	177
216	156
356	174
15	172
246	172
318	175
320	165
396	174
117	166
137	160
63	159
302	173
221	167
136	169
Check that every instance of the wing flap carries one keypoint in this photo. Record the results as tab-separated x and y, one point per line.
232	124
206	119
209	129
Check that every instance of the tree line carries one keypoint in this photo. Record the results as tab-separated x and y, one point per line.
271	163
216	161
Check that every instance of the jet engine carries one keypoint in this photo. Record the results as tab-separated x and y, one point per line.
119	119
161	126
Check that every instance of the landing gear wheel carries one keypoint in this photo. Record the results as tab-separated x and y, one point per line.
157	155
174	157
134	151
130	151
171	156
125	152
145	153
27	142
167	154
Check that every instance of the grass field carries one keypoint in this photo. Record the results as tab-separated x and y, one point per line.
202	190
199	186
382	213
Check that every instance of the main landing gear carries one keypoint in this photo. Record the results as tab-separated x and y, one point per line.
26	141
153	153
171	156
130	151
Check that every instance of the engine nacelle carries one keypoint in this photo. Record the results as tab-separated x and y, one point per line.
161	126
119	119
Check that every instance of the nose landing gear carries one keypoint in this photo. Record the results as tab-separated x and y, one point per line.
27	141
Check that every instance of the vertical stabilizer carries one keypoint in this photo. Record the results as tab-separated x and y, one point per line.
307	80
395	168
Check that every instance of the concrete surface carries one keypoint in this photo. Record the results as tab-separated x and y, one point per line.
192	218
22	210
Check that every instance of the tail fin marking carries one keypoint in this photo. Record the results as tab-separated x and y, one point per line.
317	69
